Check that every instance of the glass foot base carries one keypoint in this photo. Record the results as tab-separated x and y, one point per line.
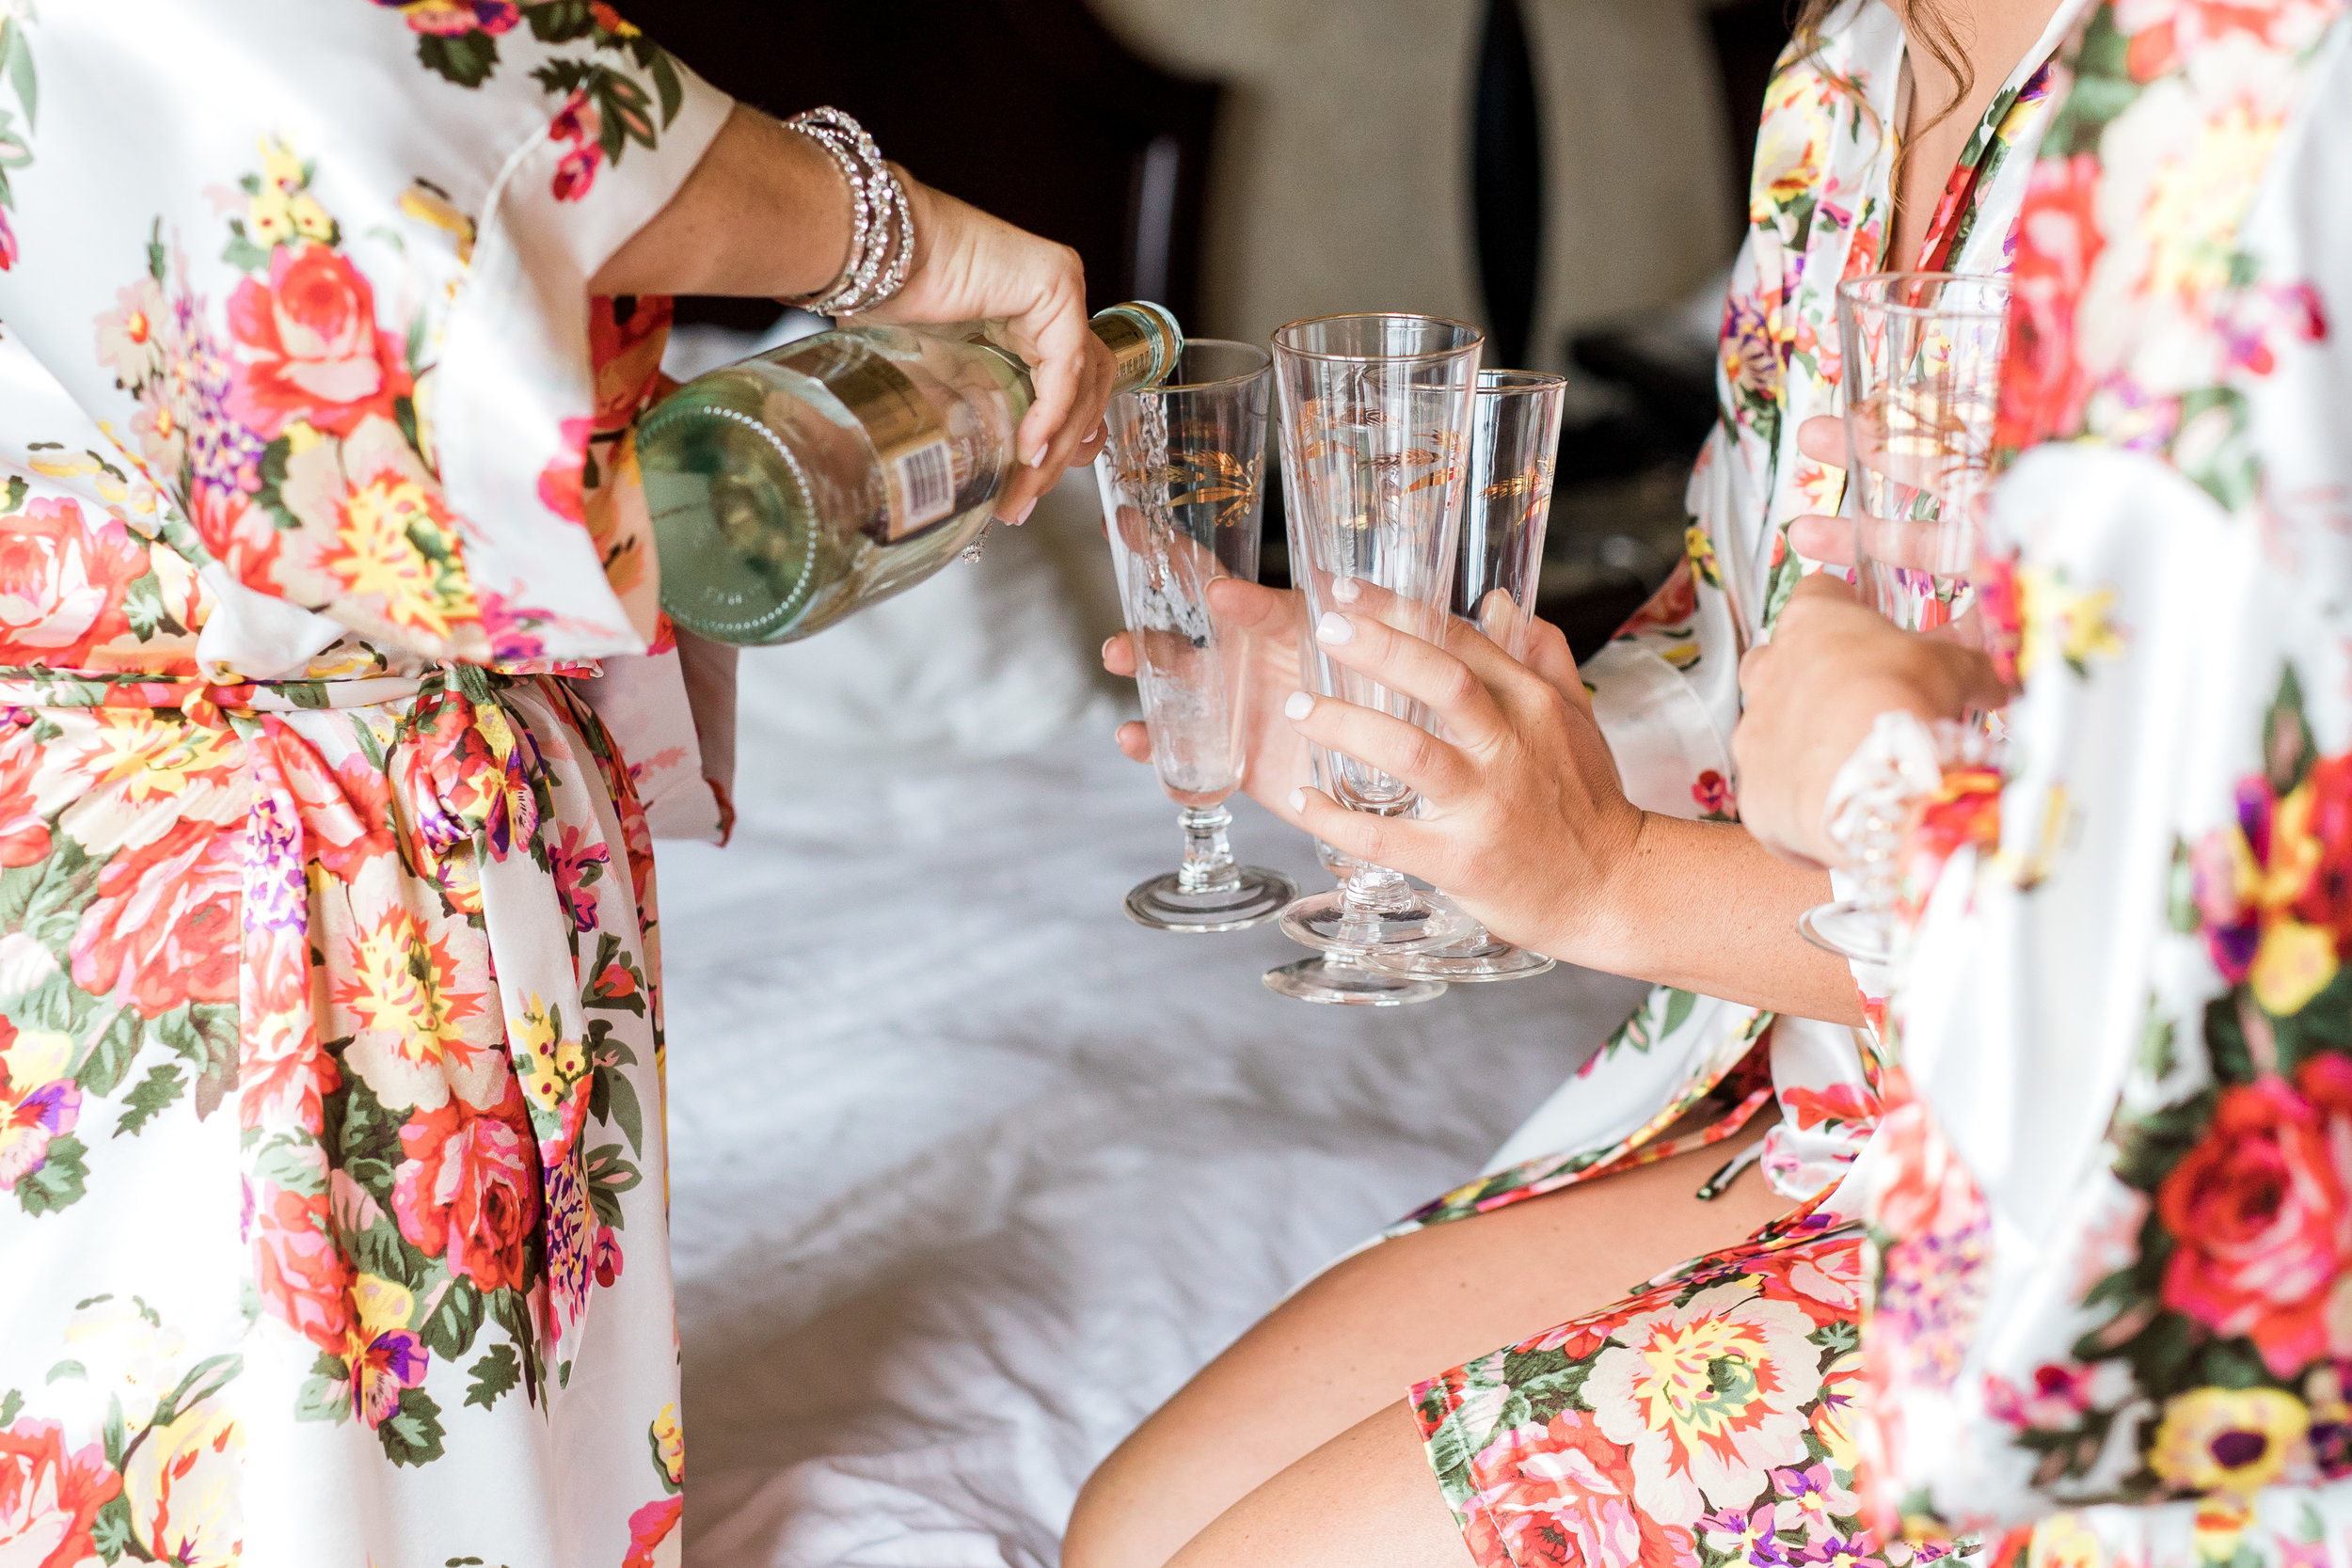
1420	921
1850	928
1348	985
1163	904
1477	960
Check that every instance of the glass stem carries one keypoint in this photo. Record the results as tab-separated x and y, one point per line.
1208	853
1375	890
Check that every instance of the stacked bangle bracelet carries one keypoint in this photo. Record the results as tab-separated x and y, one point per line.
881	229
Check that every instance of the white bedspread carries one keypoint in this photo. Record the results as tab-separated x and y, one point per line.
969	1172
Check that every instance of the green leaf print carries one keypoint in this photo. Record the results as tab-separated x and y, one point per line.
110	1531
2288	749
412	1433
57	1181
449	1333
465	58
162	1085
10	1402
609	1175
325	1394
493	1375
1678	1006
2157	1057
14	501
109	1060
560	21
2323	1024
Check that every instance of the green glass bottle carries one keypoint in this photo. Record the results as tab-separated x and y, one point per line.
795	488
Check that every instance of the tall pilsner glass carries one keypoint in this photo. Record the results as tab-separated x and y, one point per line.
1375	447
1181	479
1343	979
1923	370
1515	439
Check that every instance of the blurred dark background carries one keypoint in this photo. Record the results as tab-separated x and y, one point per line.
1035	110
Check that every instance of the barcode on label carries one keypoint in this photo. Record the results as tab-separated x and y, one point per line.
927	486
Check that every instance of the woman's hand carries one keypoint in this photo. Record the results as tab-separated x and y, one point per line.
1816	537
969	265
1277	758
767	212
1522	820
1812	693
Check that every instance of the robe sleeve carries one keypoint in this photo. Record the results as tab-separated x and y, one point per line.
318	272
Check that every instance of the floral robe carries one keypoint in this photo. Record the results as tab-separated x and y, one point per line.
2111	1217
1666	690
1708	1419
331	1148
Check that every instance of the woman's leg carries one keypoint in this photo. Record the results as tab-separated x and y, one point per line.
1351	1342
1364	1499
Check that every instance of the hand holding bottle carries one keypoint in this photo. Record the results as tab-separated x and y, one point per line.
969	266
765	213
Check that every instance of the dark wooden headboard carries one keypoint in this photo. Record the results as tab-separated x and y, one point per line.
1029	108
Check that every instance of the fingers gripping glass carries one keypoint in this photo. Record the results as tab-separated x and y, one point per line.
1376	444
1515	439
1922	355
1181	482
1343	979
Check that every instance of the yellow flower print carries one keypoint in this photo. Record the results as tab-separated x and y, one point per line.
548	1063
428	203
2198	199
399	548
151	758
281	207
2230	1440
35	1057
2057	617
184	1484
403	986
1700	547
669	1446
2063	1543
383	1305
2295	963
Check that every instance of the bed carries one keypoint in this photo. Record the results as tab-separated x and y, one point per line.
967	1172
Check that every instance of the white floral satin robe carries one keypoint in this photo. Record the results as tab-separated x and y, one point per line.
332	1222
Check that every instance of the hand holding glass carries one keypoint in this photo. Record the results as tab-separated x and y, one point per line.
1180	478
1375	444
1922	376
1515	439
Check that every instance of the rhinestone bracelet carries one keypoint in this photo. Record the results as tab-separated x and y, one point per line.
881	226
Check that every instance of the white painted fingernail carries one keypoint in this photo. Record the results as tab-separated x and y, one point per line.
1023	515
1334	627
1298	707
1036	458
1298	799
1346	590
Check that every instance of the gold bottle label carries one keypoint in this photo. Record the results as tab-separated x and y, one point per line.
917	462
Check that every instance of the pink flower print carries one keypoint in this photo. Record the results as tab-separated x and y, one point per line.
2060	1398
578	865
609	1260
26	1127
1839	1551
1812	1500
648	1528
577	123
380	1368
1712	792
1745	1535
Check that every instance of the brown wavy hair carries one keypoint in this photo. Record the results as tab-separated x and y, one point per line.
1925	23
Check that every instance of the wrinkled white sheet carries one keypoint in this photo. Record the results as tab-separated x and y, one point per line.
969	1173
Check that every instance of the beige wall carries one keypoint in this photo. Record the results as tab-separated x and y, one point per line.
1341	170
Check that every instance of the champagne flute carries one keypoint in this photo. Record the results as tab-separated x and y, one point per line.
1515	437
1181	476
1922	370
1375	444
1341	978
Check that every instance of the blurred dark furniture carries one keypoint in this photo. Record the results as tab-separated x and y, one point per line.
1028	108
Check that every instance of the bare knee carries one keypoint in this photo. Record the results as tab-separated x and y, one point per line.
1110	1527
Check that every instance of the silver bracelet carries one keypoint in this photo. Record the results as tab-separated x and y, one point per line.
881	226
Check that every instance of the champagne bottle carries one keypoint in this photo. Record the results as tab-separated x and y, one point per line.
799	486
